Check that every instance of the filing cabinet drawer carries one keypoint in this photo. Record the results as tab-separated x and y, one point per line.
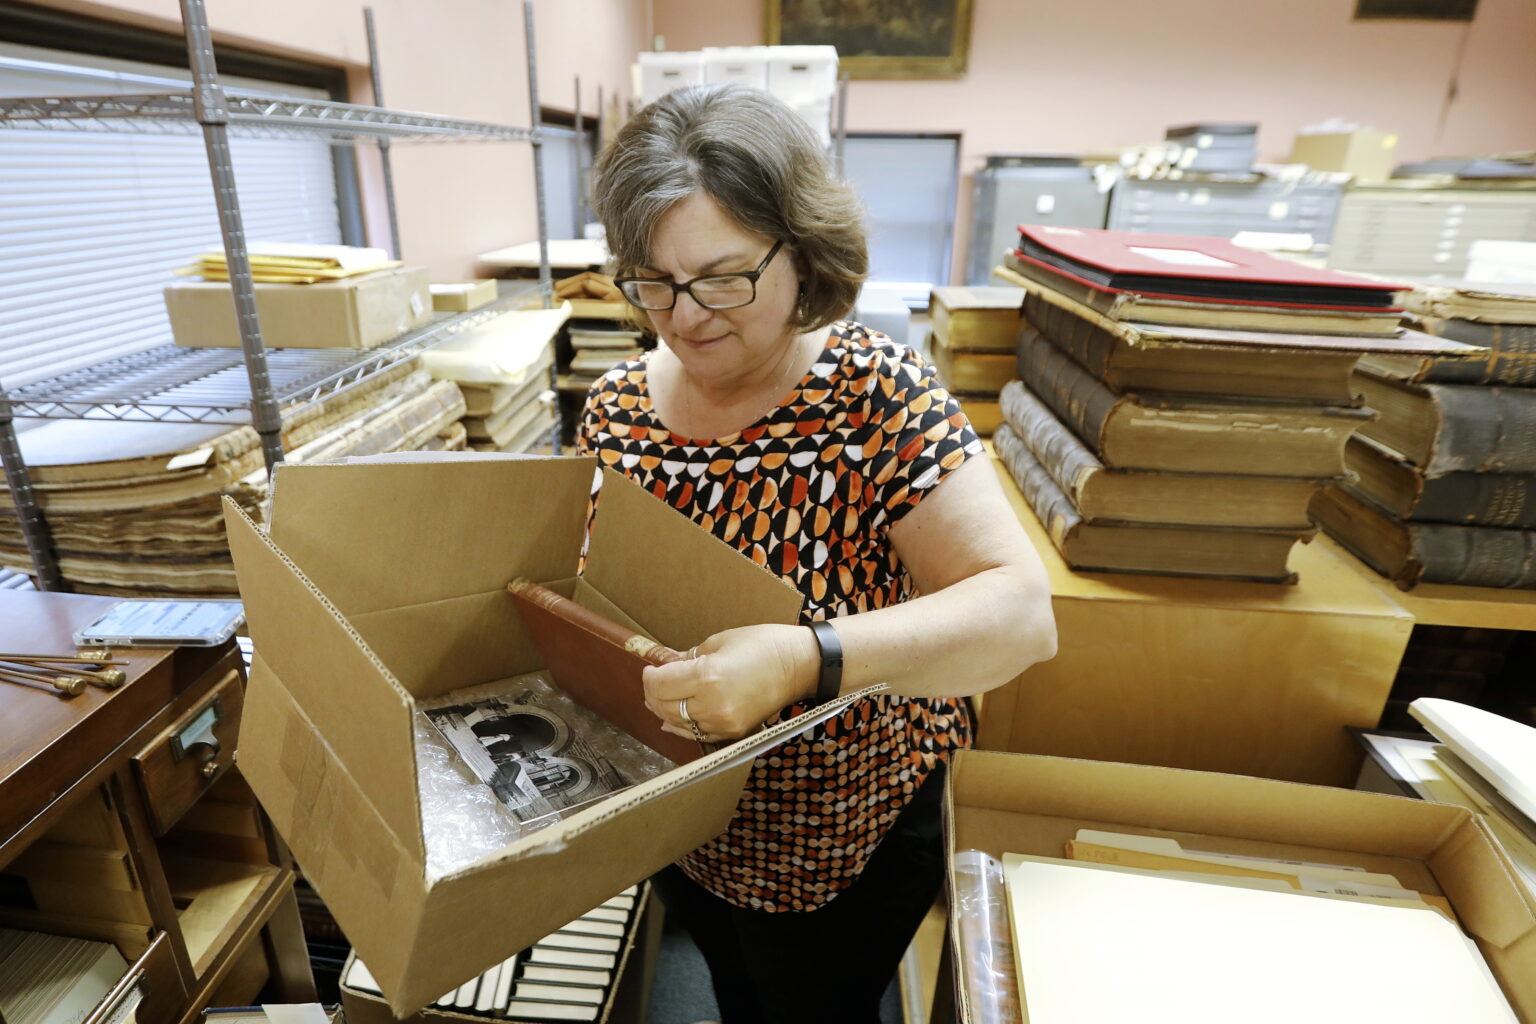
181	763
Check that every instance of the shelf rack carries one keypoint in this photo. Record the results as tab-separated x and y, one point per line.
171	384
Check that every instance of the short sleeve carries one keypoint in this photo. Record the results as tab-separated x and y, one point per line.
917	434
591	422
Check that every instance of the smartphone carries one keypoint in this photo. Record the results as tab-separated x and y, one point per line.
164	623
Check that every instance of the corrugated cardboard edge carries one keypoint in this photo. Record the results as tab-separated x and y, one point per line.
250	546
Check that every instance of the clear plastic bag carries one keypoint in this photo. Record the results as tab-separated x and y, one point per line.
985	966
499	761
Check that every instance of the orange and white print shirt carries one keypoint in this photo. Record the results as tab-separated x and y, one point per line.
810	491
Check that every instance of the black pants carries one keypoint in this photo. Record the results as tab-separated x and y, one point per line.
831	964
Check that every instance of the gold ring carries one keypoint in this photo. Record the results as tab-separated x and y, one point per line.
682	711
698	733
693	652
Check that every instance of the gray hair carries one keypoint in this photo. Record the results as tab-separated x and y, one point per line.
761	162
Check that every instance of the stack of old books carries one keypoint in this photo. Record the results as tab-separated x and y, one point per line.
1445	477
504	369
134	509
597	346
972	341
1182	399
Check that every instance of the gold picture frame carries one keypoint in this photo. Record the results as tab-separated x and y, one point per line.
883	45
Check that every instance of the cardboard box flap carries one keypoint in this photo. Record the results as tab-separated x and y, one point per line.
1469	854
1205	803
343	688
367	877
694	587
457	529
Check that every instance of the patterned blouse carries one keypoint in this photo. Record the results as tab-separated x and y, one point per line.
810	491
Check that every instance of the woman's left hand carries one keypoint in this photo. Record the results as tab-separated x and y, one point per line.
734	681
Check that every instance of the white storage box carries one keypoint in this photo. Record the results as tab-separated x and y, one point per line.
803	75
744	65
660	73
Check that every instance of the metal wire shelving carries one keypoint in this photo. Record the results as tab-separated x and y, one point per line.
249	385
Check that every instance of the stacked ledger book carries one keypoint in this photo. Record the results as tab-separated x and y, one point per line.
1444	487
974	335
504	369
570	974
1181	399
134	509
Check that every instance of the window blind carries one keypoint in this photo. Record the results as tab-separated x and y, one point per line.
94	222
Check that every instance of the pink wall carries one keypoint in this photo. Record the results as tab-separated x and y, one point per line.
462	58
1094	75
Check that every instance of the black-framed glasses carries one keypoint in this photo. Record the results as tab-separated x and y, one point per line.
712	291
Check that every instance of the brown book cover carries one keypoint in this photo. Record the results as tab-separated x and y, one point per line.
1255	555
973	371
1413	553
975	319
1448	428
1132	496
1187	434
1469	499
599	663
1193	360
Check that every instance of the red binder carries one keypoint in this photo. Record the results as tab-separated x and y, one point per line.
1195	268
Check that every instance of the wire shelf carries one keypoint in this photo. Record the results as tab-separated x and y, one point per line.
170	384
250	114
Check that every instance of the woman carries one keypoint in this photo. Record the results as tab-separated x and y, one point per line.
833	457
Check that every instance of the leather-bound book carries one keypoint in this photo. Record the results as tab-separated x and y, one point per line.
599	662
1450	428
1468	499
1413	553
1187	434
1258	555
1135	496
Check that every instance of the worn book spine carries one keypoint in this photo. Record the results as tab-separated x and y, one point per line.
1051	505
1511	357
565	608
1090	345
1063	456
1479	499
1483	429
1078	398
1475	556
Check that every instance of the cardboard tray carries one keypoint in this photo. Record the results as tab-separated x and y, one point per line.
1022	803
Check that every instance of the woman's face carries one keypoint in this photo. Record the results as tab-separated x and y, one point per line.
721	346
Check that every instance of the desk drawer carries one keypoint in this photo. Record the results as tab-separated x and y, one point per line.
152	982
181	763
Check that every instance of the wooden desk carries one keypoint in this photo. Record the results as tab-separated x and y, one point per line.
109	830
1438	604
1246	678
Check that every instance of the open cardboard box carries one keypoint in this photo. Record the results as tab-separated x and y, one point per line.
1022	803
383	583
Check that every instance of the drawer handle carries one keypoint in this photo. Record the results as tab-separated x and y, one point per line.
196	738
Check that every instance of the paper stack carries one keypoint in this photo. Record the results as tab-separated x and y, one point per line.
134	508
50	979
568	975
1135	927
598	346
294	263
503	369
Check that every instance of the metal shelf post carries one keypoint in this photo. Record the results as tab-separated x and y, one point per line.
213	115
378	101
34	528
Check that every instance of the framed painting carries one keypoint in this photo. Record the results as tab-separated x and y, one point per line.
878	38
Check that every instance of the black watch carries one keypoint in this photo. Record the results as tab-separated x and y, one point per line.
829	681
